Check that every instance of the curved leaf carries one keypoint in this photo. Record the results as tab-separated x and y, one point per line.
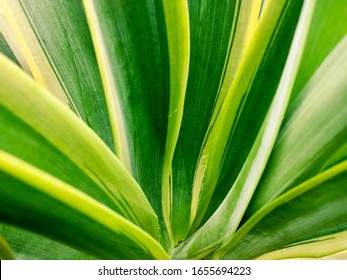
219	32
56	43
21	140
177	24
224	222
322	247
313	209
133	38
327	29
245	107
72	217
22	97
314	130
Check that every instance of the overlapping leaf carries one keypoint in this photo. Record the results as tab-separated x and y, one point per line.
314	131
24	104
327	29
144	70
187	98
56	43
225	220
63	213
324	247
219	34
245	107
313	209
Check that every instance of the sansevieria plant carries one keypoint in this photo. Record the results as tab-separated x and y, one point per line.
173	129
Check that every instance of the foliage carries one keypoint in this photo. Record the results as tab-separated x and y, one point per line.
188	129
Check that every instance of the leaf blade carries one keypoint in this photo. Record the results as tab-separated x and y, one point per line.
319	109
224	222
27	245
322	247
292	211
218	35
76	140
63	61
97	225
245	106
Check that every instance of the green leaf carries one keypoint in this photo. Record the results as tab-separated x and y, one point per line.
219	32
27	245
148	46
35	149
322	247
314	131
62	60
224	222
72	217
327	29
183	129
315	208
177	25
31	104
245	107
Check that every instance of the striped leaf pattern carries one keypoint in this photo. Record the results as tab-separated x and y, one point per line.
158	129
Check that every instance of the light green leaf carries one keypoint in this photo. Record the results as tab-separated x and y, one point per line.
224	222
22	141
56	43
148	46
327	29
313	209
219	32
185	129
322	247
113	100
177	25
245	108
22	97
314	130
72	217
